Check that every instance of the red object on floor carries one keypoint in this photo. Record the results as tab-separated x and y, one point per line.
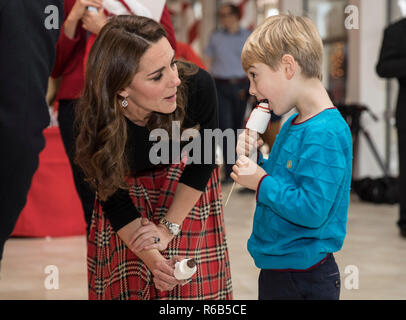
53	206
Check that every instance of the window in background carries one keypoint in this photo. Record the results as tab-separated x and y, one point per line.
267	8
329	17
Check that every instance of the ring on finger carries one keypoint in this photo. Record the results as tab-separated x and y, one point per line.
156	239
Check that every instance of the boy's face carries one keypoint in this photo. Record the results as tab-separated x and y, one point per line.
271	85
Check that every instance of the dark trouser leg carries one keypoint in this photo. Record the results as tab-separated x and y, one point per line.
320	283
86	194
16	184
274	285
225	122
241	97
232	105
21	144
402	177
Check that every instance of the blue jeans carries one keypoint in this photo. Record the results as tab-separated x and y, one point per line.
319	283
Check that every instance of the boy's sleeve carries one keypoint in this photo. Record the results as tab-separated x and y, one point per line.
319	172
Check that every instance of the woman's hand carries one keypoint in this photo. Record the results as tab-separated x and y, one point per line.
247	142
80	8
247	173
147	235
94	21
163	272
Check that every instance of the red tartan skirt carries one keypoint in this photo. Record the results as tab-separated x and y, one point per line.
115	272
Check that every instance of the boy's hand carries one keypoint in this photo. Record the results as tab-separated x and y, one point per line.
248	142
247	173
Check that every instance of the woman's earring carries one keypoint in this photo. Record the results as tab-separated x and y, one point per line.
124	103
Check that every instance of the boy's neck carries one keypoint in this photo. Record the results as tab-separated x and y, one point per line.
312	98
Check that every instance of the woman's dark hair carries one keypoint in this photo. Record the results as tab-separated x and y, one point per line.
101	125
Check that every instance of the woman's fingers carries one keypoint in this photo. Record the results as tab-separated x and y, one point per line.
150	227
145	240
164	278
175	259
164	272
162	285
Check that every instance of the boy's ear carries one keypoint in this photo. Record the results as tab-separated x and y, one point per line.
288	66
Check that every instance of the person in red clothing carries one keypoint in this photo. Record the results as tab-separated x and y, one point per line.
27	53
185	51
71	52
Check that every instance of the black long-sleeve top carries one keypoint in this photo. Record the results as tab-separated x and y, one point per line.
202	110
392	64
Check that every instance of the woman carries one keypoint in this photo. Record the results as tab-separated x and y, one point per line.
133	86
77	34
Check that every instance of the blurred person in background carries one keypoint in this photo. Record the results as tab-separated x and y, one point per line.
392	64
223	60
27	53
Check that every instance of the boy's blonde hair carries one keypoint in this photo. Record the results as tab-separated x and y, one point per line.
285	34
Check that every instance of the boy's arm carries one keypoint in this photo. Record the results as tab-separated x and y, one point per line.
319	172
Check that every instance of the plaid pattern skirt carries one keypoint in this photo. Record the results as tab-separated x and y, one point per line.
116	273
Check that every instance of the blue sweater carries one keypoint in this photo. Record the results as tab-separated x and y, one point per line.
302	204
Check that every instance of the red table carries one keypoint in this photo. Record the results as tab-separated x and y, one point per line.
53	207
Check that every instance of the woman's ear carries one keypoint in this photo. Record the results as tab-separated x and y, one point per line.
288	66
123	93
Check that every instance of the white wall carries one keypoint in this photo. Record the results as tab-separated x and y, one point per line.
364	86
292	6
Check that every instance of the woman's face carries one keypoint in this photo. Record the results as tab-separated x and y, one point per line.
153	88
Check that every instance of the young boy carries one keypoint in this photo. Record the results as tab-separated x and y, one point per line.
303	188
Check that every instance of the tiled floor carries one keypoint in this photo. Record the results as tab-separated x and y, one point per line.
373	248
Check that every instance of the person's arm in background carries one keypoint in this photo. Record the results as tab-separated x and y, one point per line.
208	54
392	60
72	33
166	22
76	14
186	52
